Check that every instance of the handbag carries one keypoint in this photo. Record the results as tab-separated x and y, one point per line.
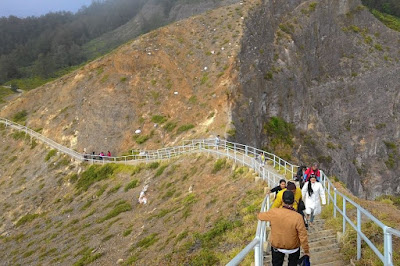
304	261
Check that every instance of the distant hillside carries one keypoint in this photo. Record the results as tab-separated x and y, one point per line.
172	83
35	50
41	46
57	211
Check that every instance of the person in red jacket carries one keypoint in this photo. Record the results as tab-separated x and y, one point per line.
312	171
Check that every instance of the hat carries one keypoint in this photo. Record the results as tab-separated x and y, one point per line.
288	197
291	186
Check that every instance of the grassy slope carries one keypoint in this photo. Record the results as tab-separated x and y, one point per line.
389	20
125	89
54	210
384	210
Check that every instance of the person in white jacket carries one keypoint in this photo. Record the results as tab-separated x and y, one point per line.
313	193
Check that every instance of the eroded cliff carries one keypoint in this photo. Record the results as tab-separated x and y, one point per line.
332	70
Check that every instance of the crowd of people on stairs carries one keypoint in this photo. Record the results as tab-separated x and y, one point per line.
292	213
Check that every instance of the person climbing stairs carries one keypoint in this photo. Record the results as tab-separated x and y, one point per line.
324	247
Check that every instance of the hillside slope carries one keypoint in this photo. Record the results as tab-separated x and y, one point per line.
172	83
332	70
54	210
152	14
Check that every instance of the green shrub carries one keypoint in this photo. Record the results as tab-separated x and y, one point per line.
159	119
189	200
170	126
160	170
87	256
193	99
101	190
20	117
50	154
26	219
94	174
137	169
380	126
269	75
330	145
141	139
114	189
127	232
218	165
312	6
389	20
184	128
205	257
18	135
147	241
12	159
390	145
378	47
120	207
132	184
287	28
231	132
107	238
153	165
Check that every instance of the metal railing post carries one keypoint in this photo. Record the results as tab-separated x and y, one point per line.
329	192
358	234
334	202
234	150
285	169
274	160
344	215
387	247
257	255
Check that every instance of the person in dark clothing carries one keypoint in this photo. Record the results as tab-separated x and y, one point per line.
300	174
282	185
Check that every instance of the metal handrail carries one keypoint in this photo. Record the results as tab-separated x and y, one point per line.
388	232
250	157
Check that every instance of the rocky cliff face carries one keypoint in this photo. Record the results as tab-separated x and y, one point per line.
331	69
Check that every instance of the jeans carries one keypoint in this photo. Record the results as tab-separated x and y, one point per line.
278	257
312	216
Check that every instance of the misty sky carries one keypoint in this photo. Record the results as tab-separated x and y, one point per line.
24	8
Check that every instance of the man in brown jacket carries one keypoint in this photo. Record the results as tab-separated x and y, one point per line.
287	231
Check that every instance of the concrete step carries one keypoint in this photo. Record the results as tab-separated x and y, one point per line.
332	263
322	242
316	239
321	233
325	256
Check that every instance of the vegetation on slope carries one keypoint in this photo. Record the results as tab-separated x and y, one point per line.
383	209
391	7
69	212
392	22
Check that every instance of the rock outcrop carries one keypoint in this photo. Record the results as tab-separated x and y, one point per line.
332	69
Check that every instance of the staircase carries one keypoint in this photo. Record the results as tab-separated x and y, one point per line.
324	248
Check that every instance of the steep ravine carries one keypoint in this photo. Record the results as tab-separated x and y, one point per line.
332	70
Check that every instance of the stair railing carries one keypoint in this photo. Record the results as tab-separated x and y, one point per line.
250	157
387	256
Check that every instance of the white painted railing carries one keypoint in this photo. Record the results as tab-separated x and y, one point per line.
387	256
250	157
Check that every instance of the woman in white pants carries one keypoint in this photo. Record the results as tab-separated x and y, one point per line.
313	193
